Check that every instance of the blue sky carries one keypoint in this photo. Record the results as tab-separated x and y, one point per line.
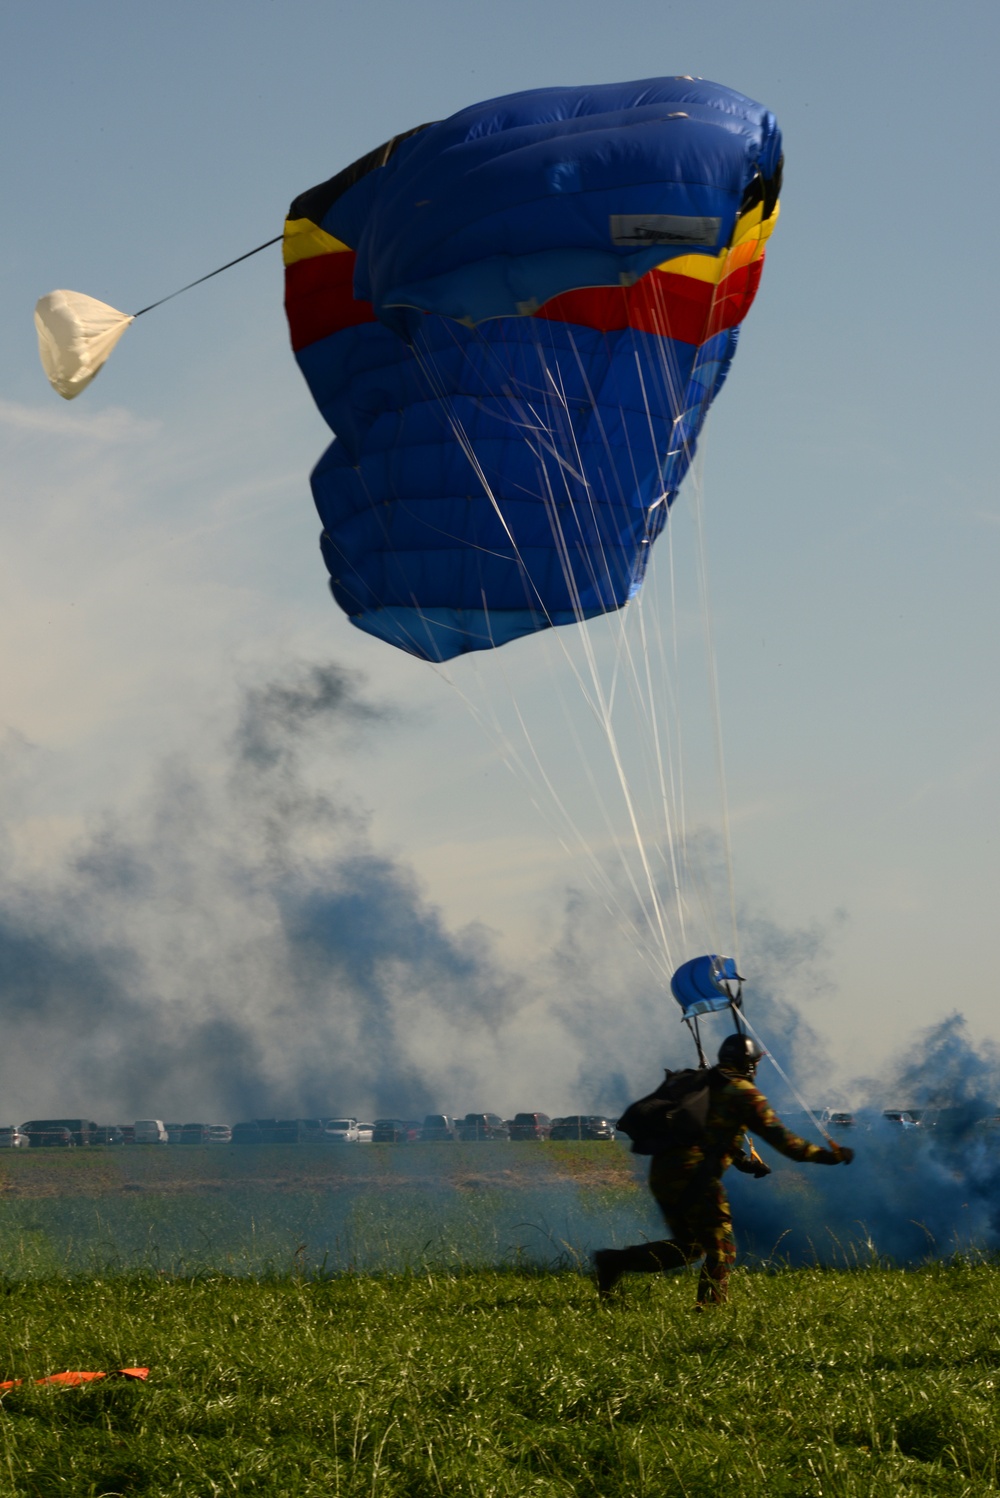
160	558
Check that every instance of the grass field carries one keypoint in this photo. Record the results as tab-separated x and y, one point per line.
875	1382
271	1210
395	1322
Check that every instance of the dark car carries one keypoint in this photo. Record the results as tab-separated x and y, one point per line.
901	1117
582	1126
437	1128
265	1131
44	1133
390	1131
80	1130
479	1126
278	1131
194	1133
530	1126
108	1134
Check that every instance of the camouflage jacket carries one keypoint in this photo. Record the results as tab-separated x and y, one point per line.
736	1108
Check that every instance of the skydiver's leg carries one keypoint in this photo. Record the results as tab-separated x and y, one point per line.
672	1190
642	1258
662	1257
715	1230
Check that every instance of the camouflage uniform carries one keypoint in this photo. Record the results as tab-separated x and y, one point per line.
687	1185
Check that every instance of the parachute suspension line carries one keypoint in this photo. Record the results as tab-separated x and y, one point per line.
605	696
599	886
538	429
595	698
684	866
665	799
683	426
228	266
644	697
674	826
790	1085
646	701
515	765
666	693
716	705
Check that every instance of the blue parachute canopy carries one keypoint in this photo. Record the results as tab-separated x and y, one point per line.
706	985
515	321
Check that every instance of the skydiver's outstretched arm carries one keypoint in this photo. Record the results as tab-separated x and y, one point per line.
756	1114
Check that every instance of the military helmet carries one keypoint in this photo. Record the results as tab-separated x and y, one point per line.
740	1054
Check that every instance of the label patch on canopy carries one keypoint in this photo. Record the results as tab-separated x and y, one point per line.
664	228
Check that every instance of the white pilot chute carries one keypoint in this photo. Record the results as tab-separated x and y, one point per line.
76	334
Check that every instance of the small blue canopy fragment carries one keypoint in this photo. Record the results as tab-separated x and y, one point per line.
706	985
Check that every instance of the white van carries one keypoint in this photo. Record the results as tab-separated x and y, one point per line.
151	1131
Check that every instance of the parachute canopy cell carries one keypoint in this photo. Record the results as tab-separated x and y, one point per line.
76	334
515	320
706	985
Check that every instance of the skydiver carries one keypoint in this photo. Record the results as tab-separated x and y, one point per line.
686	1180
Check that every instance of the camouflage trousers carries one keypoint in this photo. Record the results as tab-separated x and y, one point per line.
701	1226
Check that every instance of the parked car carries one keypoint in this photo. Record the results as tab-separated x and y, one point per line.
582	1126
44	1133
194	1133
175	1132
437	1128
530	1126
219	1134
900	1117
127	1132
150	1131
80	1130
366	1133
13	1138
482	1126
275	1130
340	1130
390	1131
108	1134
838	1120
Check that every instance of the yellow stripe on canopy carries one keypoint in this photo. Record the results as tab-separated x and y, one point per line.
304	240
748	244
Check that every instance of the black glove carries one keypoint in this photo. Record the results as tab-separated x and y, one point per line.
755	1168
839	1156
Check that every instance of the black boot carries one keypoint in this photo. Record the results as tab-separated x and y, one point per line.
608	1270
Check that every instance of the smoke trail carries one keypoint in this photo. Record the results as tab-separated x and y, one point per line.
236	946
911	1193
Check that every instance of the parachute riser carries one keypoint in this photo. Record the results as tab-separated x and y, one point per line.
692	1025
736	1005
